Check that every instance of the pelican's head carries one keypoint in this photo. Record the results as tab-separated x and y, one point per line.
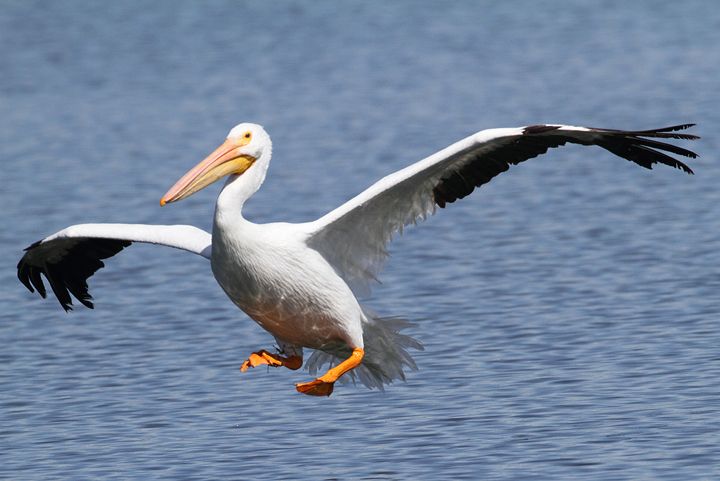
245	144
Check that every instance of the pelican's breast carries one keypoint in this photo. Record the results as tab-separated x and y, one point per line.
286	287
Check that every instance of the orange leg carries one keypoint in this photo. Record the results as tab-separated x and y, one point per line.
275	360
323	386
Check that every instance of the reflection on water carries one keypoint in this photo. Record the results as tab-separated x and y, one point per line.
568	309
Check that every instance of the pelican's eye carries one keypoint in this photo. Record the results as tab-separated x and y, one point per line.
244	139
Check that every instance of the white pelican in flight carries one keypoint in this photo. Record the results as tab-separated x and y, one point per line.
301	282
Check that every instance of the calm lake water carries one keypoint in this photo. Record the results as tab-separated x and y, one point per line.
569	309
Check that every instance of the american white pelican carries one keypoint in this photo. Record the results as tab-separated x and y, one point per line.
300	281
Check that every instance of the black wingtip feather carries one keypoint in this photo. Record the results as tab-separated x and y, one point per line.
635	146
66	263
664	132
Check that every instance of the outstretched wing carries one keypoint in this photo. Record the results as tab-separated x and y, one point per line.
69	257
353	236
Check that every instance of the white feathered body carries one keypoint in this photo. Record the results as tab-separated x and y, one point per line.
268	271
293	293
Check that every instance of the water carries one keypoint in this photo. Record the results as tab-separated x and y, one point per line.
569	309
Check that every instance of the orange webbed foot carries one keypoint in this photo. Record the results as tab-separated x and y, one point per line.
316	388
323	386
263	357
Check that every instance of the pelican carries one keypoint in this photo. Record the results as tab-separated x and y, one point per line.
301	282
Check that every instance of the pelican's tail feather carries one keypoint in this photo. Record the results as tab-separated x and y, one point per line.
385	353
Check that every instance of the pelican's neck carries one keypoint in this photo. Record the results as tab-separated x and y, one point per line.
238	189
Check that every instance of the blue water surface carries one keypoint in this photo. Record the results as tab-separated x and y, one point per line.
569	309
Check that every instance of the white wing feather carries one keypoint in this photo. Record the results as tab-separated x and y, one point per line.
353	236
185	237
